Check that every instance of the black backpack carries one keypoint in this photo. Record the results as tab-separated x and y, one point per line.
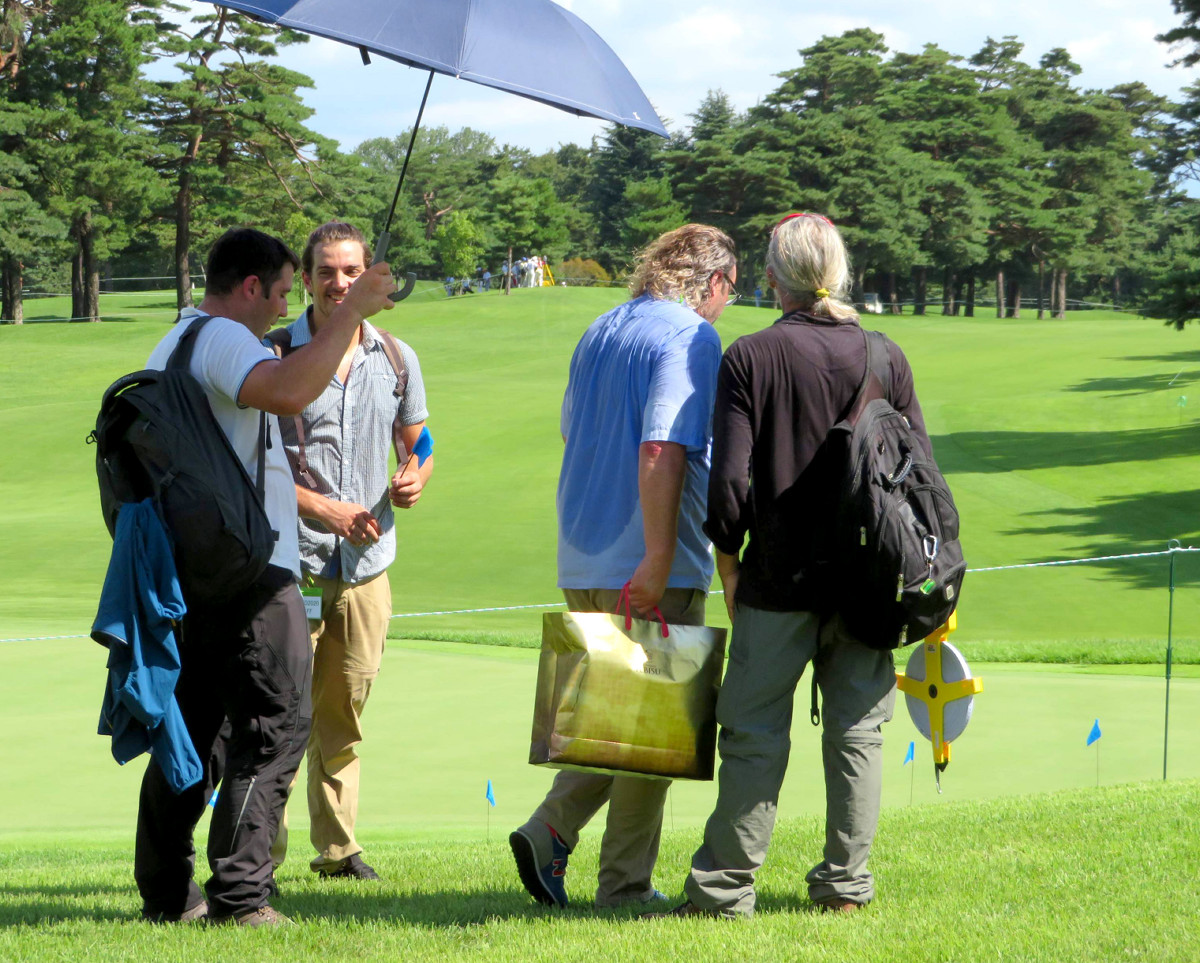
894	564
156	437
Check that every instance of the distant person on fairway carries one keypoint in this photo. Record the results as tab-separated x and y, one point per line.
248	658
779	392
338	449
636	424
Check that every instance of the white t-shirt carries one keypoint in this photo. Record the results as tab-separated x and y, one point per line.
223	355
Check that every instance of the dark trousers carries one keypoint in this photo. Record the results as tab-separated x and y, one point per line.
244	691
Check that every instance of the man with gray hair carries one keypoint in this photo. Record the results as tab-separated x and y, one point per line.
779	392
636	422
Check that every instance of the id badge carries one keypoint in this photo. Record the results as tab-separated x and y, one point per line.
312	603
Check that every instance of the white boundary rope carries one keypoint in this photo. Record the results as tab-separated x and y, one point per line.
1080	561
555	605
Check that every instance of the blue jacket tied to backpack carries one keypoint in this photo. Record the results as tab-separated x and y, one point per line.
139	604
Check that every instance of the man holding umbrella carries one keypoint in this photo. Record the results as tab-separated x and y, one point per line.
338	451
636	422
244	662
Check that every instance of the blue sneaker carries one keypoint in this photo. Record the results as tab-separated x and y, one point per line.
541	862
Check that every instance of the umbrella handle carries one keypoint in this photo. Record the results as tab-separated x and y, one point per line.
410	281
381	247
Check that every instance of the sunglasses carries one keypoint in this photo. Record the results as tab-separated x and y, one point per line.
820	217
734	294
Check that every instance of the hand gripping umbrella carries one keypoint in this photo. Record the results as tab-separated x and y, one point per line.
532	48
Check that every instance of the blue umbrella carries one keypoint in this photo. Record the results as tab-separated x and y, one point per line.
533	48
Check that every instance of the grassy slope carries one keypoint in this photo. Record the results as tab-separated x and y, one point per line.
1062	439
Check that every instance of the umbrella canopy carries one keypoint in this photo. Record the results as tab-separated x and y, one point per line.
533	48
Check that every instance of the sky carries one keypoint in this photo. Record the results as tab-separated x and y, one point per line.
678	50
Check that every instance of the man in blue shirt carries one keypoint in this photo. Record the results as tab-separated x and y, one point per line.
636	423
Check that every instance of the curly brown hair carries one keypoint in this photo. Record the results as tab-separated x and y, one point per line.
678	265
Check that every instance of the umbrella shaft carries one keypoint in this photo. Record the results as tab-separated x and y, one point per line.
411	141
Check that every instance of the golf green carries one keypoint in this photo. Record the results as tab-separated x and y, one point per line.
445	717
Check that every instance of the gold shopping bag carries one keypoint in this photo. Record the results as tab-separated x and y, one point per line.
627	696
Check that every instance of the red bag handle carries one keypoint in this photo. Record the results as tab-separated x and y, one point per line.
624	600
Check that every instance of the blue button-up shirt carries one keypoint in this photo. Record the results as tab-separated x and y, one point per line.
645	371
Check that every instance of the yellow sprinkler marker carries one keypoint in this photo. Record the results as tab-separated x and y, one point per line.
939	690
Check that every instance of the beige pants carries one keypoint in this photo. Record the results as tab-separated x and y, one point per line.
629	847
348	647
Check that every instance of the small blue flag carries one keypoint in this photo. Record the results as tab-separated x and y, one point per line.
1094	735
424	446
908	756
491	796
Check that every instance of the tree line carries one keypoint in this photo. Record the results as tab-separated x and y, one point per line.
953	177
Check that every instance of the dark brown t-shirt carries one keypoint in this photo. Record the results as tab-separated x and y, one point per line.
779	391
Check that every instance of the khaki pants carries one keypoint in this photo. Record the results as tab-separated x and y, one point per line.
629	847
767	656
348	647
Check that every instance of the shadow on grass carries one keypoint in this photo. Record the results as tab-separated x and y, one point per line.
1140	384
1174	357
41	905
1142	523
105	319
769	902
38	903
1003	451
436	908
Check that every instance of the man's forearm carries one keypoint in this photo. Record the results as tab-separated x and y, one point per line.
285	387
309	371
309	503
661	470
727	565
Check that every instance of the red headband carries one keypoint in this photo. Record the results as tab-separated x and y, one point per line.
805	214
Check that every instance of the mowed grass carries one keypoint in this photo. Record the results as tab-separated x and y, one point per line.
1096	875
1039	848
1061	440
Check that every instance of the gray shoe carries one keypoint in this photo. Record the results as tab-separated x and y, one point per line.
199	912
687	909
263	916
653	901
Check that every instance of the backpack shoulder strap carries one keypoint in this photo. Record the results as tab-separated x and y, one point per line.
876	376
280	340
879	361
391	348
181	357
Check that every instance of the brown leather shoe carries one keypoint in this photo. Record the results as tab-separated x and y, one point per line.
263	916
838	904
683	909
